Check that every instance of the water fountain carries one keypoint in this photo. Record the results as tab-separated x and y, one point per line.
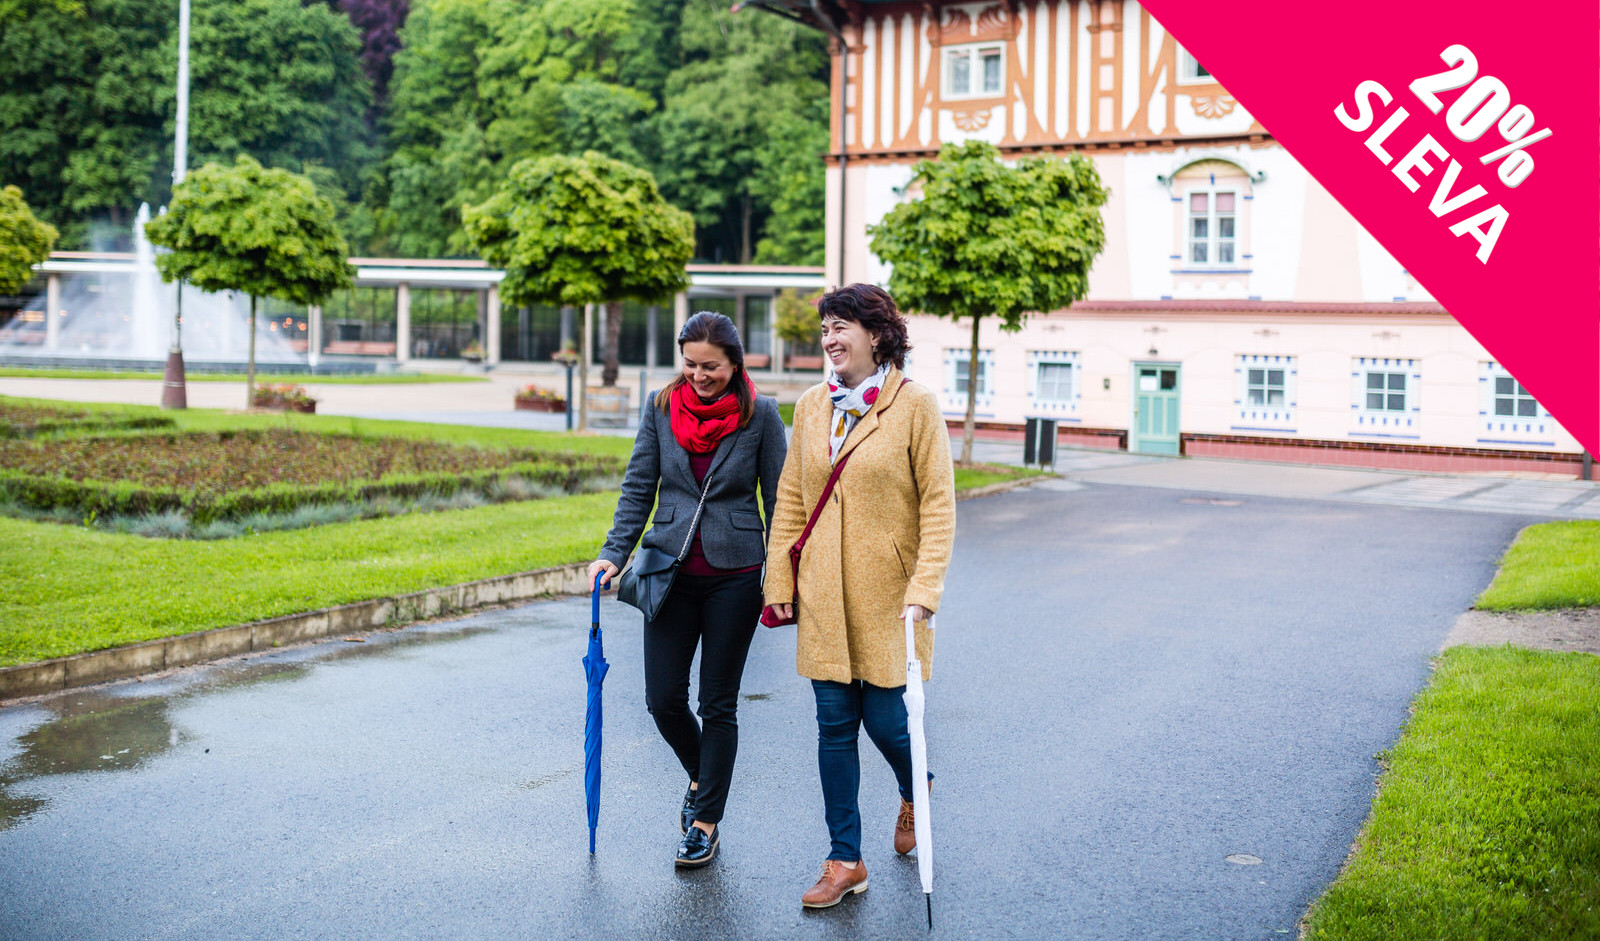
113	308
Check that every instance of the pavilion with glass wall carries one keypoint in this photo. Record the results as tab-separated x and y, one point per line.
416	311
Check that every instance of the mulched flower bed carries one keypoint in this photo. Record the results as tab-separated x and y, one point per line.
27	421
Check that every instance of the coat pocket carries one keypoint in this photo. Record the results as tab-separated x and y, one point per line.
664	514
901	557
744	519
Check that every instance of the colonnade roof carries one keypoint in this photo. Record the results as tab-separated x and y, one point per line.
466	273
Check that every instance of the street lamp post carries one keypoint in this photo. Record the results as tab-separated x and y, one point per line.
174	391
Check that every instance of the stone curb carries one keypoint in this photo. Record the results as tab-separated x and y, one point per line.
99	666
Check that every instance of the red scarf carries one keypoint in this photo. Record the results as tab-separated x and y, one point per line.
698	426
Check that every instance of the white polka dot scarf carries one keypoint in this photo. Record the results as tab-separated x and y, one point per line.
850	404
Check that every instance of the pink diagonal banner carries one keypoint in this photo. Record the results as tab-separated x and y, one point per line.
1462	136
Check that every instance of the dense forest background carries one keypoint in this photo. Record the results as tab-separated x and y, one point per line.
403	111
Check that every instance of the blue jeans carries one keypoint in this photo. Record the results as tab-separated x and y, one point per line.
842	708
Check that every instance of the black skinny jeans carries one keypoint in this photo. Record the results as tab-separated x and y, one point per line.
718	613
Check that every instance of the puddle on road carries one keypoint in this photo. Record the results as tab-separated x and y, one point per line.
122	727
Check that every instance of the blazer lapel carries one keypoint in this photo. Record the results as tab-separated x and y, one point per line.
869	422
723	448
677	455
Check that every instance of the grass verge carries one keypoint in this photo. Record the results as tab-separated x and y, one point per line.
1551	565
971	476
1484	824
355	379
73	589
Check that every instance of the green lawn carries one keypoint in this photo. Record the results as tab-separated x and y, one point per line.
29	372
1551	565
1487	820
70	589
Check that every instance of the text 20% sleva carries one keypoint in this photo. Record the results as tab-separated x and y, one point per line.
1485	103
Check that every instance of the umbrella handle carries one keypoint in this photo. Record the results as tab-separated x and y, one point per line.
911	635
600	581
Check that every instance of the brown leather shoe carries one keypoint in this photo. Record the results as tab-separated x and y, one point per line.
837	881
905	827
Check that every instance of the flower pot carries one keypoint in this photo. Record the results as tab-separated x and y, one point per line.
307	408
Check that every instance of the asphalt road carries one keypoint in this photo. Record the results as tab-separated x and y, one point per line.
1131	684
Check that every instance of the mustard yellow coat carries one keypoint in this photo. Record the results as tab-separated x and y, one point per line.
883	541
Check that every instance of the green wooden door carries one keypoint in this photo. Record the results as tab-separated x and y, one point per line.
1154	429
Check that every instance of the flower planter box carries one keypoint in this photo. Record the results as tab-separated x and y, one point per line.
306	408
540	405
608	406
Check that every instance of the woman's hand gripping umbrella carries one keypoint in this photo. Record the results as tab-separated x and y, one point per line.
594	668
915	702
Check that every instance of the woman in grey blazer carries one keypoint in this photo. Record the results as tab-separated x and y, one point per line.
706	430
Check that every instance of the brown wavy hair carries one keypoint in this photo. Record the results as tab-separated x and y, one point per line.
872	308
716	329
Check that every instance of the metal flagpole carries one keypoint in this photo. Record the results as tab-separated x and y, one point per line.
174	391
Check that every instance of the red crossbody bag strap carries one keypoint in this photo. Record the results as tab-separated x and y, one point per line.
827	491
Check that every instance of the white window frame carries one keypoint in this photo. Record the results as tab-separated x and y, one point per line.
1494	428
1250	416
1386	421
1386	391
1063	384
1190	71
1066	405
1213	240
975	54
1259	379
954	398
960	365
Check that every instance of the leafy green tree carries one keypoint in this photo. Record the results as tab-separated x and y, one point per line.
483	84
797	321
248	228
88	104
80	131
24	241
727	115
789	181
583	230
986	239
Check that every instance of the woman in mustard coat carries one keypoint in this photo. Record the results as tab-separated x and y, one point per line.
878	552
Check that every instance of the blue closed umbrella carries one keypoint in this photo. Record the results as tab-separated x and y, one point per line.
594	667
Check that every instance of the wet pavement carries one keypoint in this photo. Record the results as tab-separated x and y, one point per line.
1132	684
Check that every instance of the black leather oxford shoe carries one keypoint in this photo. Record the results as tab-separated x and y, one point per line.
697	848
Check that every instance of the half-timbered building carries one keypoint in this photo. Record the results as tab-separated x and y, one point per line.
1237	309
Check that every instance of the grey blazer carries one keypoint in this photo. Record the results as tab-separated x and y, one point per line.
732	534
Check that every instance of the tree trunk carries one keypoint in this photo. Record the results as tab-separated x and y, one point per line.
250	371
967	426
610	363
744	231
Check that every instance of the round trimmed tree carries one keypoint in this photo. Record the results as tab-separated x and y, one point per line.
987	239
583	230
24	241
249	228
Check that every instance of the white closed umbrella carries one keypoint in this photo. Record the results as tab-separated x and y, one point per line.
919	763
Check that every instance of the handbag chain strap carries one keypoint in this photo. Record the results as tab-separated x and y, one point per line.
695	523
